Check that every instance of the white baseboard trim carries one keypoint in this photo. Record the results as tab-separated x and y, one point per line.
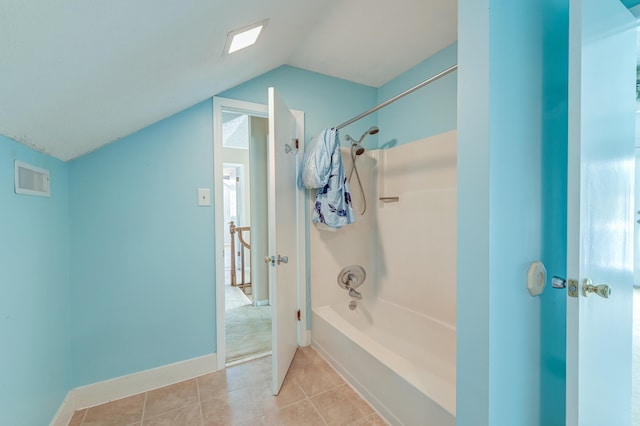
131	384
65	412
262	302
143	381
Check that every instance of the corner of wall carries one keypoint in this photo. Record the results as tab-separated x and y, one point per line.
35	306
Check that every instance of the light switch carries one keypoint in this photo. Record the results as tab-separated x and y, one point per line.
204	197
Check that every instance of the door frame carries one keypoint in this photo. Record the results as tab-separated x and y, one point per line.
258	110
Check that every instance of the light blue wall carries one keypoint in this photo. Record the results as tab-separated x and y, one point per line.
143	281
426	112
34	306
499	211
142	275
326	101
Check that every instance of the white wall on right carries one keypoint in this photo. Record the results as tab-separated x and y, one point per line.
417	251
353	244
408	247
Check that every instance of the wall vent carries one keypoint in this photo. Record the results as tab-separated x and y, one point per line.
32	180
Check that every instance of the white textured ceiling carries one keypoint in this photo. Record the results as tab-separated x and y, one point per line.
76	75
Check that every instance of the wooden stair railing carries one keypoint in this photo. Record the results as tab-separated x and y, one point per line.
233	229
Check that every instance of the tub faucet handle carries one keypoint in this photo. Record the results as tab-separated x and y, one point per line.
355	294
352	281
351	277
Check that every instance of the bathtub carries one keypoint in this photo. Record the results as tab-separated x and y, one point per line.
401	362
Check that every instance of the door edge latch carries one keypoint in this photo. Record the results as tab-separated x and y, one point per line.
572	289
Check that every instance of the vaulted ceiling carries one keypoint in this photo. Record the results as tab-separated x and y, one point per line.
75	75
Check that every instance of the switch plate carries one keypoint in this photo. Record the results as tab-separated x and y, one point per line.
204	197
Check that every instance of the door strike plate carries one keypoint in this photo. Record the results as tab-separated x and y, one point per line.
572	288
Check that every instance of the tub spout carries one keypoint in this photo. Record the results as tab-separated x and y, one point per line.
355	294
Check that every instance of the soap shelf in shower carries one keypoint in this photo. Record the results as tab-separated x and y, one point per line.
390	199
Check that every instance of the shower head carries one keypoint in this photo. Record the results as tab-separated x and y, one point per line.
359	149
357	145
371	131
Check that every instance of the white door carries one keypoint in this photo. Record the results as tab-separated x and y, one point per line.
283	238
600	211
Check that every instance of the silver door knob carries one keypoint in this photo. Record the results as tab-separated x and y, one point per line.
602	290
283	259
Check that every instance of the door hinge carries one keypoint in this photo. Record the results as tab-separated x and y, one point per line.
298	314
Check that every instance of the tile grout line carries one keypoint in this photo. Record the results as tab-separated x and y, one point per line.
199	401
144	408
295	382
279	408
329	390
318	411
307	398
349	385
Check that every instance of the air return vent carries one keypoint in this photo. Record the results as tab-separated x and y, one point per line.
31	180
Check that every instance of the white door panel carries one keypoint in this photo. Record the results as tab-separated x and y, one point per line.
283	235
600	210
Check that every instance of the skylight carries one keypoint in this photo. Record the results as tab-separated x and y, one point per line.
244	37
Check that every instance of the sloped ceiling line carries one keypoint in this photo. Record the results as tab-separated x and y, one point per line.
76	75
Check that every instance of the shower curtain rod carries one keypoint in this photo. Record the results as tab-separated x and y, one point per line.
401	95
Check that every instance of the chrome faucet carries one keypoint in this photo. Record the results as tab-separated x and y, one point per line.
350	278
355	294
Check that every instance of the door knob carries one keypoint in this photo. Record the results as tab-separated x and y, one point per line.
602	290
283	259
269	259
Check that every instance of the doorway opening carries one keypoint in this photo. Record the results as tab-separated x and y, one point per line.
247	314
277	233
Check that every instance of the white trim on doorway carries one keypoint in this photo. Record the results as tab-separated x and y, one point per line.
258	110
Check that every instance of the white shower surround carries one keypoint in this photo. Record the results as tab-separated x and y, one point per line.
398	348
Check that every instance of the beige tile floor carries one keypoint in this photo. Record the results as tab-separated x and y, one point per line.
312	394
